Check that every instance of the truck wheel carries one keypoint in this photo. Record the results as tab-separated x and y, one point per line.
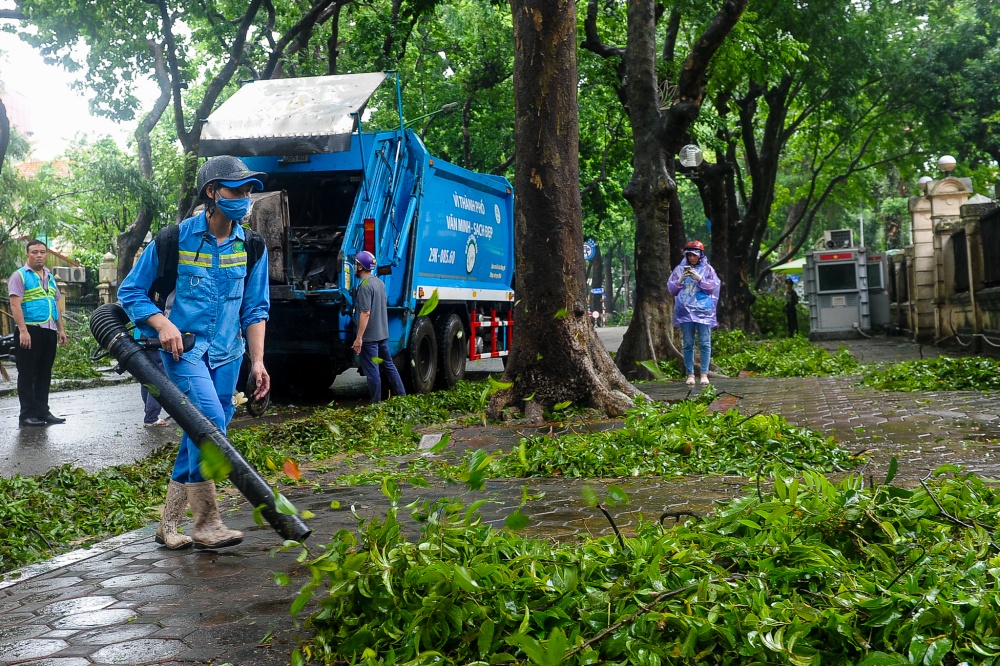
423	356
452	350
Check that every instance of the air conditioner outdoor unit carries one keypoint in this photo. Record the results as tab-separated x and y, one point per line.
838	239
71	273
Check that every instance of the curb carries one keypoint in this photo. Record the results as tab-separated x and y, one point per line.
39	568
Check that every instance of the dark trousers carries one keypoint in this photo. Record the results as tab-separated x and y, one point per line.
380	349
152	407
792	319
34	370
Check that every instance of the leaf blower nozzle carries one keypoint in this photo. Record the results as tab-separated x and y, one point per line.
109	327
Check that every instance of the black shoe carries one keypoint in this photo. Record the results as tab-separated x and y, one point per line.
52	418
32	421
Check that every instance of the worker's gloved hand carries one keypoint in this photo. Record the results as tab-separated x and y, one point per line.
690	273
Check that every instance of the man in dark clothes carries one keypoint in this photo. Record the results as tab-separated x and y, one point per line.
791	308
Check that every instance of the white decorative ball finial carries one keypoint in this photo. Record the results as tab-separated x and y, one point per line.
922	183
947	163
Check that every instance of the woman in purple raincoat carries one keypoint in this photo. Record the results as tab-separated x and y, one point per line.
695	287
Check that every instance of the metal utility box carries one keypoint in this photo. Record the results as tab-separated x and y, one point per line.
878	288
836	284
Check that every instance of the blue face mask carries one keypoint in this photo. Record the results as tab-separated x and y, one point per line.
235	209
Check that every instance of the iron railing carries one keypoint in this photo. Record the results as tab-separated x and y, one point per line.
903	281
989	236
960	252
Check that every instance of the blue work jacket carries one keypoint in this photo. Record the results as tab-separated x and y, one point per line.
210	300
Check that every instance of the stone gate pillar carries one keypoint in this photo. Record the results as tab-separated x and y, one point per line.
107	288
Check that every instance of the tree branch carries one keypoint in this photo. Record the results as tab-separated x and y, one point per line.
670	39
603	176
693	78
220	81
305	25
592	41
503	166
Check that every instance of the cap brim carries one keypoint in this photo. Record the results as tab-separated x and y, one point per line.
256	182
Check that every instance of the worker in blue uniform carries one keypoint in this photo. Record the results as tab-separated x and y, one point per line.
227	311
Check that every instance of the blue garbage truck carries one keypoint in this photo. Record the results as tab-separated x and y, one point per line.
442	235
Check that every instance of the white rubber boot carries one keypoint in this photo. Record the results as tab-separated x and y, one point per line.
209	532
173	513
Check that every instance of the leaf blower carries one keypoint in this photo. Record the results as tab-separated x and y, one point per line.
109	326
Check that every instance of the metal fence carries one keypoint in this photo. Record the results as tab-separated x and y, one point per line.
902	281
960	252
78	311
989	235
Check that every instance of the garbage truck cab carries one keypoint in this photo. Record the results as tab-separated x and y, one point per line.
442	235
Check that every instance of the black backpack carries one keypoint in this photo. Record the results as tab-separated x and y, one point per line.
167	240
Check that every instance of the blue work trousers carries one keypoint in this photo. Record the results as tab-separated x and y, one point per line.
704	331
380	349
211	391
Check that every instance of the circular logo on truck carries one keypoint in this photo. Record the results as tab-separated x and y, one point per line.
470	254
496	212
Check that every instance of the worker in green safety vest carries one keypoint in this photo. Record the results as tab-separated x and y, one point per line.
37	308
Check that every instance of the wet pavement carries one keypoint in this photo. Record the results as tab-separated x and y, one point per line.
104	423
127	601
103	428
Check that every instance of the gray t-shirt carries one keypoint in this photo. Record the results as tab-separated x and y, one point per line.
371	298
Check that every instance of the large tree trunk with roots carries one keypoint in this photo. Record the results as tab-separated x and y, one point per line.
556	355
657	137
649	333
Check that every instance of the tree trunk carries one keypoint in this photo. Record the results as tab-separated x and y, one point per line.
130	240
729	246
652	191
333	41
649	332
626	279
609	282
4	133
556	355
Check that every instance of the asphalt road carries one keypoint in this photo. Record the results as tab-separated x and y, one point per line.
104	424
